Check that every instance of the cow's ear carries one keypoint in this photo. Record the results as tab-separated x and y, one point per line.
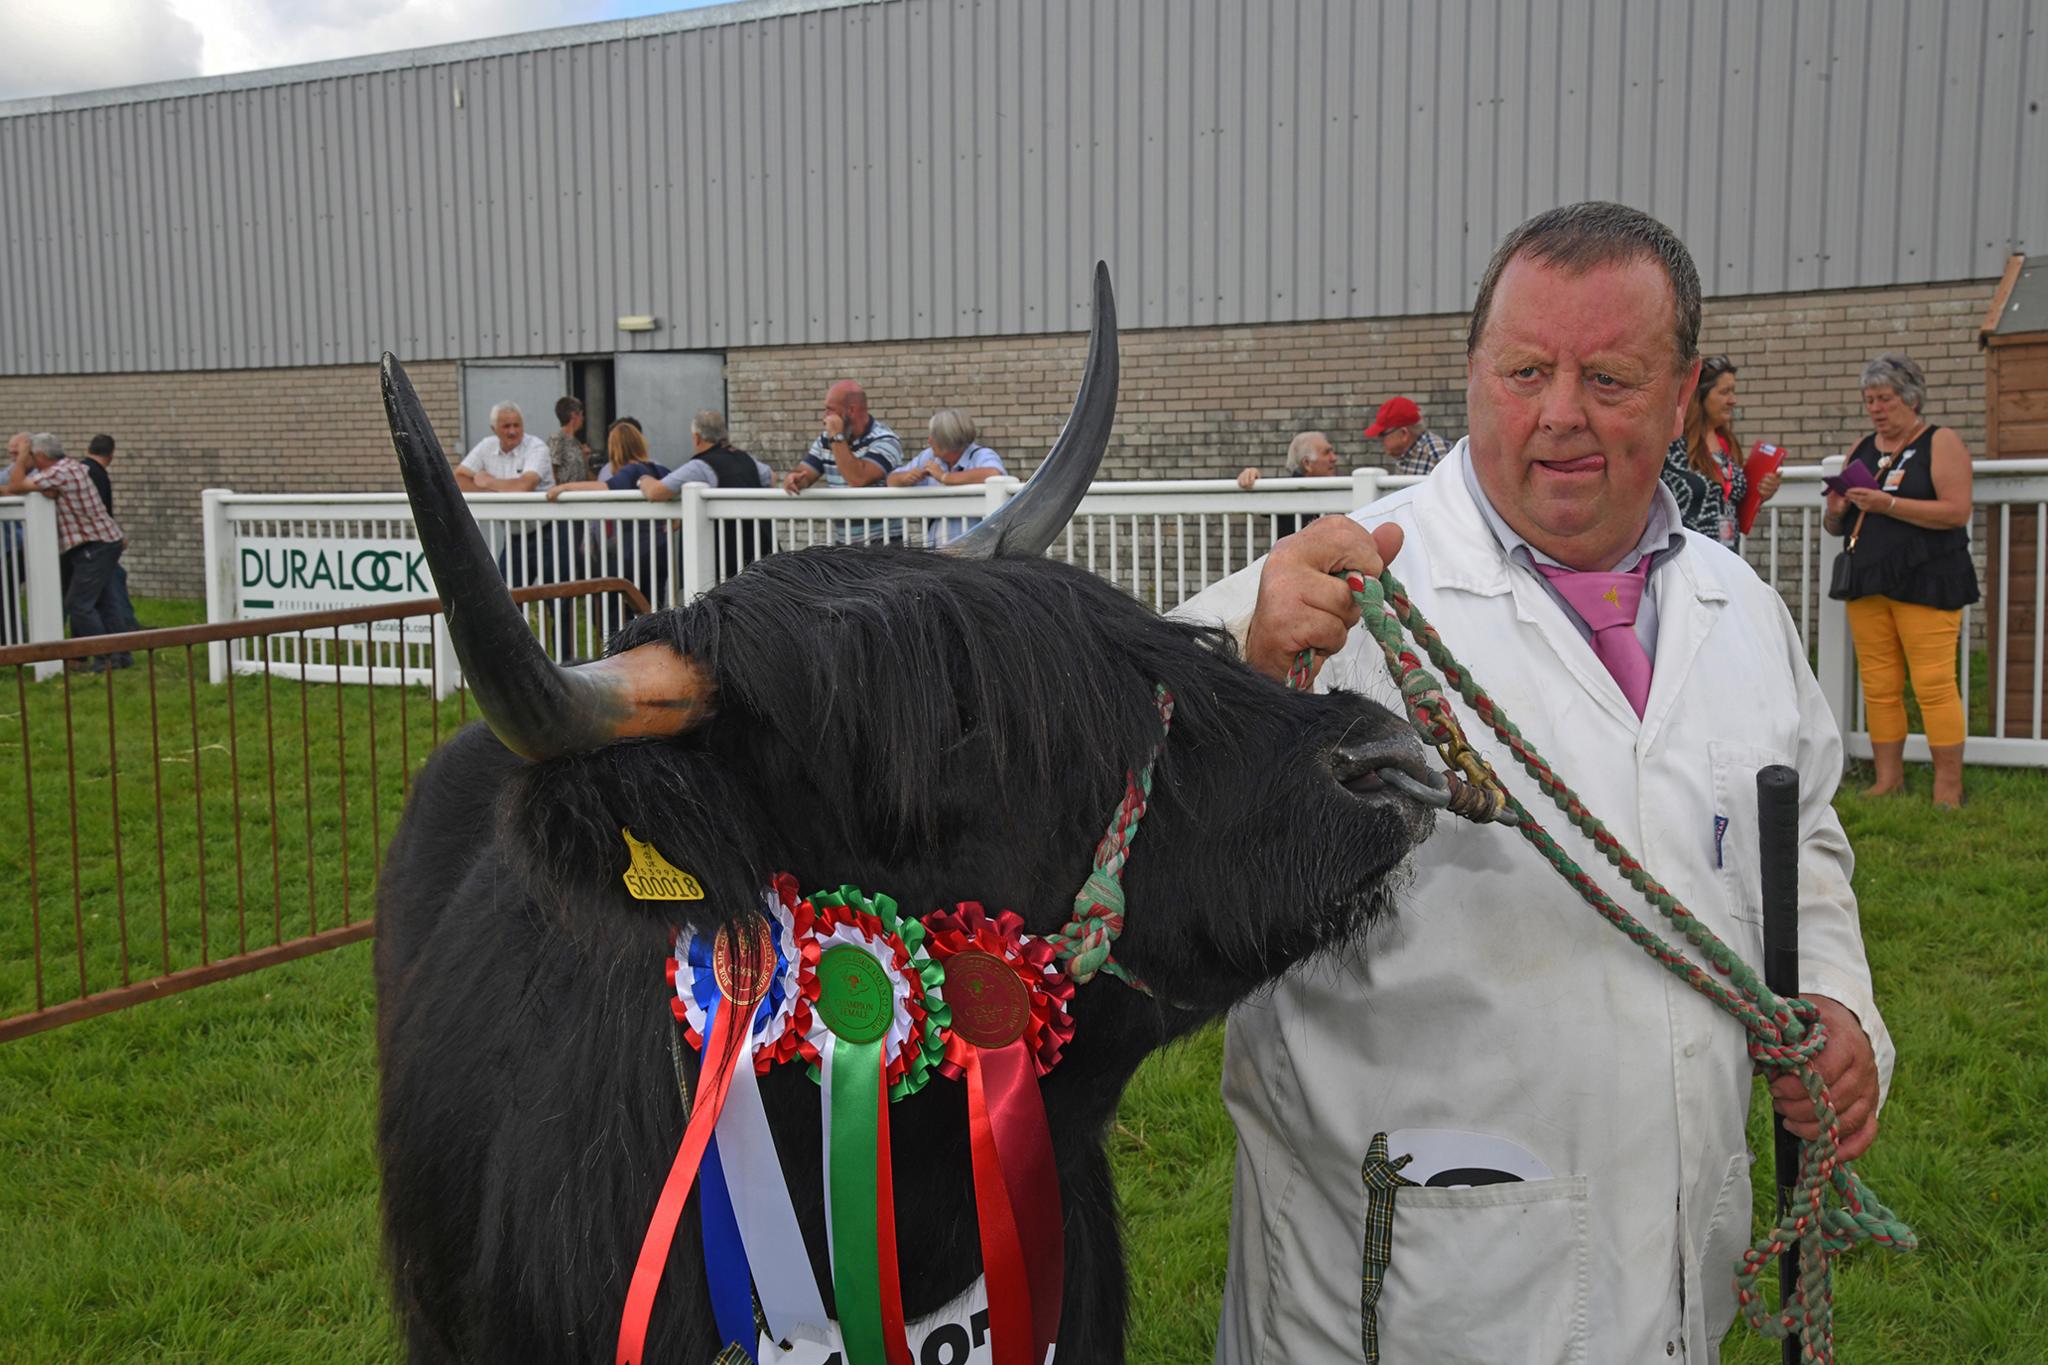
634	829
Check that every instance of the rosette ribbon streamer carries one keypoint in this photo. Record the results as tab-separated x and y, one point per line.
1008	1000
747	1215
874	1034
744	955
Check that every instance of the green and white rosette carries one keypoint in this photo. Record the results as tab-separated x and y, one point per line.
877	1025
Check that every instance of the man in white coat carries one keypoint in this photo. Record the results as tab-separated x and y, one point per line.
1583	1107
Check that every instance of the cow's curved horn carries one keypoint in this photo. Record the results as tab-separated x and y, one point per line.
1027	523
538	708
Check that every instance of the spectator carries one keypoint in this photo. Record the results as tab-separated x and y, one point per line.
568	456
636	554
508	460
716	462
99	457
1703	467
1309	456
88	538
1906	574
13	560
953	459
1413	448
853	451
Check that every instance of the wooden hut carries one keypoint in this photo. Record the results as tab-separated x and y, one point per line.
2014	336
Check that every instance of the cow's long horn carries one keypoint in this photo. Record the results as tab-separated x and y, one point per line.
538	708
1027	523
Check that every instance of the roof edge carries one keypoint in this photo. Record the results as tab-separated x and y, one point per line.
538	40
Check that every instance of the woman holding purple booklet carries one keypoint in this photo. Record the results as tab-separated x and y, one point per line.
1903	503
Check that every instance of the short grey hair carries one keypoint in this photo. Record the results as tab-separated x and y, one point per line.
709	426
1899	374
500	409
1581	237
46	445
1297	449
952	429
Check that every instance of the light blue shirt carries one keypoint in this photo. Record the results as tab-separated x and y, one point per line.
1663	535
939	532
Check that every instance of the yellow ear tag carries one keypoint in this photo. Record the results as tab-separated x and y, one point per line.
651	877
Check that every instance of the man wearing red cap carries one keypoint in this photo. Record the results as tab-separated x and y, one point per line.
1399	430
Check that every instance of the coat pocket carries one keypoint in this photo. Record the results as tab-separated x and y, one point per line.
1737	852
1488	1274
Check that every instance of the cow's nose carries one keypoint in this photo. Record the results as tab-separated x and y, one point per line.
1357	760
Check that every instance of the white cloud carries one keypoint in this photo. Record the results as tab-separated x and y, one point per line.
56	46
53	46
241	36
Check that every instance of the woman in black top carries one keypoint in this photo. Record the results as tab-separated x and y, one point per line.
1908	574
1703	467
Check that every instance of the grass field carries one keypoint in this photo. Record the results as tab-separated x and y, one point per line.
192	1180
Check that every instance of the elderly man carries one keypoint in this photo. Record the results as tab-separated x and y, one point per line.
1412	447
1309	456
508	460
1594	1102
88	538
853	450
714	461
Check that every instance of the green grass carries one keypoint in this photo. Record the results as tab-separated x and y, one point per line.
193	1180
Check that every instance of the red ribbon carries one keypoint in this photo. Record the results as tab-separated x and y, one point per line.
893	1334
723	1049
1016	1203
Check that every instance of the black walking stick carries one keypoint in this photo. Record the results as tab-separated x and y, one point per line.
1777	822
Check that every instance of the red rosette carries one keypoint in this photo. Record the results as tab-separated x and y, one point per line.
1050	992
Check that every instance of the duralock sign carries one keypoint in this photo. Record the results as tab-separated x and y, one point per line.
280	575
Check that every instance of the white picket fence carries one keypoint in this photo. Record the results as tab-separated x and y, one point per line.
1161	540
31	600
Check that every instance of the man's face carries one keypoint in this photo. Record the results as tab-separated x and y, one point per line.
511	429
17	446
849	409
1396	441
1574	397
1319	461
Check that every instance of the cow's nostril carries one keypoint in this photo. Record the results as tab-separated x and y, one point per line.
1356	763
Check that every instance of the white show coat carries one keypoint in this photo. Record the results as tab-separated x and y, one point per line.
1496	1002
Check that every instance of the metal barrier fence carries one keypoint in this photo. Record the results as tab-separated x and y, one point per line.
174	879
1161	540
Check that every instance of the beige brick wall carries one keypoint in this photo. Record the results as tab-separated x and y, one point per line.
1193	403
299	430
1207	402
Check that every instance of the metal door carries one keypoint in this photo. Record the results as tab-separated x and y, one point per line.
664	390
533	385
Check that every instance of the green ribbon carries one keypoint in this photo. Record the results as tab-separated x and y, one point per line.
855	1072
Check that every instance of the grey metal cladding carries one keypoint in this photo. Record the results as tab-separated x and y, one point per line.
791	171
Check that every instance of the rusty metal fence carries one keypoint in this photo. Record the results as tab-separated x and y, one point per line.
169	831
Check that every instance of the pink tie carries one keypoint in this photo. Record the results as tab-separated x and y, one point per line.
1607	603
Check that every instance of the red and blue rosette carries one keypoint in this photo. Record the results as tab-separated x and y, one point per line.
1008	1001
876	1021
739	994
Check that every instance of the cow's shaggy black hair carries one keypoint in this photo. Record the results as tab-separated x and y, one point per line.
936	729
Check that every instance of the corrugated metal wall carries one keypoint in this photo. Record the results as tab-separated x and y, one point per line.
921	168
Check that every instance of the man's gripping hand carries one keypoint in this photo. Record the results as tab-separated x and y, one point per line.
1301	605
1849	1066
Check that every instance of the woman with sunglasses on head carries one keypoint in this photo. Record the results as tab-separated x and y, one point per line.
1703	467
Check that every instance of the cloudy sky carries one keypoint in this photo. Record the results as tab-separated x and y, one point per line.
57	46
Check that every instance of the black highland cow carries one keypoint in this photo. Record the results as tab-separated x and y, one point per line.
938	727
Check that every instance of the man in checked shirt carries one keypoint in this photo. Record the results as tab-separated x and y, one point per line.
88	537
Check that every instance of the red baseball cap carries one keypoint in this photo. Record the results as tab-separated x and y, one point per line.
1395	412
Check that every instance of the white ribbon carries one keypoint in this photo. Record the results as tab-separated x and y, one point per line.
774	1240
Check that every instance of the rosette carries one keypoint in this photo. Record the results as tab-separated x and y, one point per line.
739	994
1007	1000
876	1030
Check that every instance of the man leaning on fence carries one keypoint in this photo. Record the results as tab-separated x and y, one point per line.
88	538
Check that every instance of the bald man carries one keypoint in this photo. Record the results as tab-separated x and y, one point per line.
853	450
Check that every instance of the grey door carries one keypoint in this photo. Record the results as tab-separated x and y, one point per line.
533	385
664	390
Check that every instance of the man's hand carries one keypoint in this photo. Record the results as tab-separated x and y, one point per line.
798	479
467	479
835	427
1247	477
1849	1067
1301	606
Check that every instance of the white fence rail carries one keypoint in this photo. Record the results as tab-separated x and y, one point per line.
31	598
1160	540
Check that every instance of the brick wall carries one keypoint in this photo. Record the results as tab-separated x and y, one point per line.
1207	402
1193	403
312	429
